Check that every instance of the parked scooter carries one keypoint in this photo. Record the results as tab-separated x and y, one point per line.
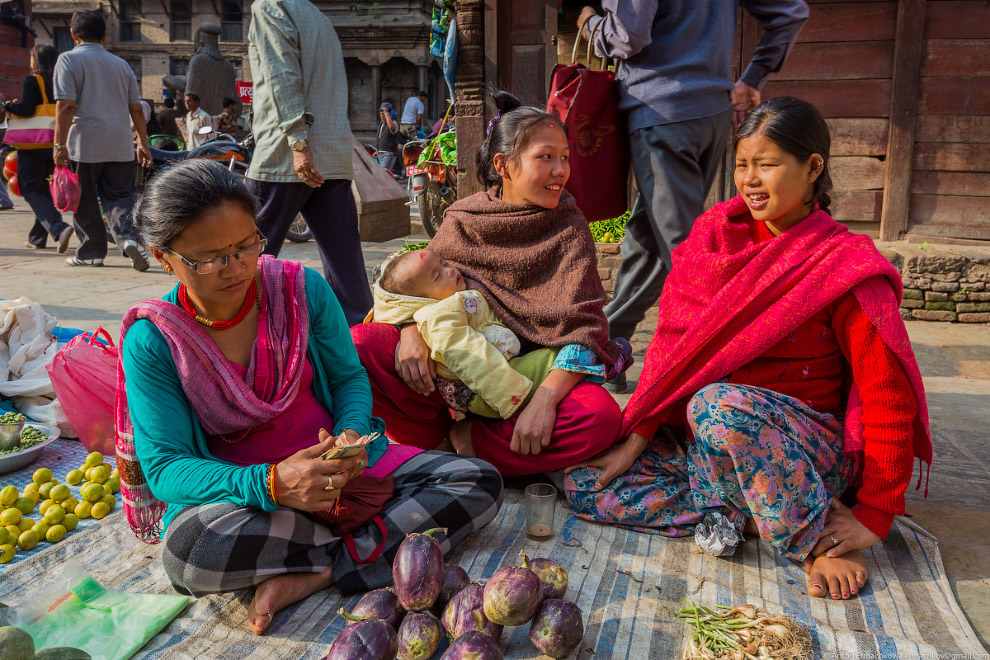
431	166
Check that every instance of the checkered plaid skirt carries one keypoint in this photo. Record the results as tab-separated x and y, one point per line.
222	547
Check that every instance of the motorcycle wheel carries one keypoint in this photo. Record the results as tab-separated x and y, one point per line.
432	203
298	231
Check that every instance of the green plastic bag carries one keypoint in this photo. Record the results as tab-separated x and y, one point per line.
109	625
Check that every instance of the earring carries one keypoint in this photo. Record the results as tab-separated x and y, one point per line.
168	269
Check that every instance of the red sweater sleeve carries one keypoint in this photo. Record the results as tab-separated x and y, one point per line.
889	409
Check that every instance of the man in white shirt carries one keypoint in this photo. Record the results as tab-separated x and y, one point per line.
412	114
196	118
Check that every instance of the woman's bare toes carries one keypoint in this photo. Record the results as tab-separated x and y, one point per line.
263	606
837	577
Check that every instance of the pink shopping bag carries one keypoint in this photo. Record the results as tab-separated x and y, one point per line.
84	376
65	189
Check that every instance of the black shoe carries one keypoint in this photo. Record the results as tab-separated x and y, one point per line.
617	385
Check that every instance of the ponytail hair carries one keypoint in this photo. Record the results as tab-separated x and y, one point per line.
798	128
507	133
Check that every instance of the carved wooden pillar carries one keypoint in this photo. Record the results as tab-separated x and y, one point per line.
422	77
469	86
376	88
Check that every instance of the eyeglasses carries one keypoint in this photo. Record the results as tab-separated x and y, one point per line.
206	266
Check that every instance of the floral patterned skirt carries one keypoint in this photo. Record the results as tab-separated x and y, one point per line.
756	454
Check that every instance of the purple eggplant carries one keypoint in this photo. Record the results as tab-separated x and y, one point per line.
419	636
455	578
557	628
418	570
367	640
512	596
474	645
465	612
378	604
552	576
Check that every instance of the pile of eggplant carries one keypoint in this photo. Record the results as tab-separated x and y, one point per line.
431	601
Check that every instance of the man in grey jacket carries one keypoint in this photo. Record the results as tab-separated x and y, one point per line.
674	87
302	158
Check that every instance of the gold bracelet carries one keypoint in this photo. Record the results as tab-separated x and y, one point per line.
271	483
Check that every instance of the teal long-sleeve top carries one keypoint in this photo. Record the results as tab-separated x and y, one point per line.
170	441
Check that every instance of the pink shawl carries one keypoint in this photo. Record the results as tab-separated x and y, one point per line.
224	403
729	299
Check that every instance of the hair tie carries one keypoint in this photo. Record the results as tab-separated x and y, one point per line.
491	125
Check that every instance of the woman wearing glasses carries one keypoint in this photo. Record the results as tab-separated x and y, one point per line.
232	387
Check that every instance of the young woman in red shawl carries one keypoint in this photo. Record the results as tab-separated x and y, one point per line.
526	247
780	378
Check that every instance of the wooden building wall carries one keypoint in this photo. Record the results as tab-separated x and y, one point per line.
905	88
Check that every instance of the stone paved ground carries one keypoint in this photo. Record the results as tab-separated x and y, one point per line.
954	358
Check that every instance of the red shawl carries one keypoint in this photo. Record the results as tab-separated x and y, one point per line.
536	267
729	299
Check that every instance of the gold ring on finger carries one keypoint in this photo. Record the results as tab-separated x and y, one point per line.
330	485
835	541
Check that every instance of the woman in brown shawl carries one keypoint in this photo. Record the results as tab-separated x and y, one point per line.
526	247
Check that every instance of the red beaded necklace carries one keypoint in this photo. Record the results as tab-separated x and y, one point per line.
249	300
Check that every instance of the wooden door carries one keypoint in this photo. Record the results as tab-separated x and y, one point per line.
521	42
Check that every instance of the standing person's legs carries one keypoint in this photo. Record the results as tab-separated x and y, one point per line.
33	169
116	188
674	165
87	219
332	217
280	204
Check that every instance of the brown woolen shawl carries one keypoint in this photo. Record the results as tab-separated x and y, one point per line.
536	267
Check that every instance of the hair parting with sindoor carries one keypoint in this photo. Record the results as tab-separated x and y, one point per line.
798	128
181	195
509	133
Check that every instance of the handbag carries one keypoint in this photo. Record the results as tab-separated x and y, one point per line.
65	189
361	500
84	377
586	102
36	131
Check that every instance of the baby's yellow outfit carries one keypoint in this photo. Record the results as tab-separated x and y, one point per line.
466	339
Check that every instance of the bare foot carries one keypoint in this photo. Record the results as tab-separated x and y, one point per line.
841	576
460	438
279	592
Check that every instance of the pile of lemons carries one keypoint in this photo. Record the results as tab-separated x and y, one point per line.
59	510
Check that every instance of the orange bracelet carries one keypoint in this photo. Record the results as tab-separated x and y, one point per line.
270	481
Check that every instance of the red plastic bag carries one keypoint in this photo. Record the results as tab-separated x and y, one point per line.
84	376
586	101
65	189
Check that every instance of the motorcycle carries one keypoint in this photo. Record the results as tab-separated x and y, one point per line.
221	147
431	166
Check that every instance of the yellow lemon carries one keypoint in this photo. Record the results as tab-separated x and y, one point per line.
10	517
4	536
59	492
109	500
8	495
7	552
74	478
26	524
100	509
84	509
93	492
70	521
55	533
100	474
44	506
54	514
28	539
95	458
41	527
41	475
25	504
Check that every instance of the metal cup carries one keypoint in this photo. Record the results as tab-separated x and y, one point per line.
541	503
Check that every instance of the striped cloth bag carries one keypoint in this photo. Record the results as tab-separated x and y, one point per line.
36	131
